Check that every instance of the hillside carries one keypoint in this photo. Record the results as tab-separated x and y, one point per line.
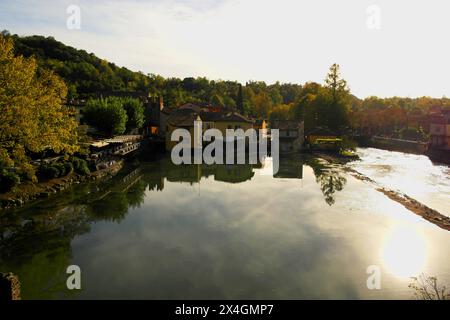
84	73
86	76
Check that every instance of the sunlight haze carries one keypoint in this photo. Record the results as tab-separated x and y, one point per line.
286	41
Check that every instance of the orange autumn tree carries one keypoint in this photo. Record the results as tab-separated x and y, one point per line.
33	117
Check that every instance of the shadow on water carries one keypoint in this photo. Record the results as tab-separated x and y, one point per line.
36	241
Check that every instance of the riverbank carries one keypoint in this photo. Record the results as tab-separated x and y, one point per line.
335	158
29	191
440	155
391	144
409	203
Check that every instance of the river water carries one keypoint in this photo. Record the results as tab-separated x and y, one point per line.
160	231
414	175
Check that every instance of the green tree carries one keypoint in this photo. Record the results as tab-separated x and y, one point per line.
240	100
107	115
336	113
135	113
217	100
33	117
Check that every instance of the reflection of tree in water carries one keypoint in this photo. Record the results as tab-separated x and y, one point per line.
113	207
35	241
329	179
38	250
136	195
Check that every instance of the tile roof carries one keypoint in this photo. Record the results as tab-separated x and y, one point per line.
187	113
182	120
234	117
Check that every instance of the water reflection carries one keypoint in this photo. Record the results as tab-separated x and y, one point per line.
404	251
329	178
290	168
146	233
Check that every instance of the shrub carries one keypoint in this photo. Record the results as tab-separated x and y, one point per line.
83	169
75	163
80	166
8	180
68	166
48	172
61	168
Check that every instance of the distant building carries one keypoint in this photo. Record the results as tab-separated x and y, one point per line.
440	129
322	139
153	108
210	117
319	134
178	120
291	135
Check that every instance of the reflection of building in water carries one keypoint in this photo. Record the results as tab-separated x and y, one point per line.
234	173
182	173
194	173
123	184
289	169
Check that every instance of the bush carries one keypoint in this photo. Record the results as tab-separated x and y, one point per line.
68	166
48	172
61	168
75	163
84	169
80	166
8	180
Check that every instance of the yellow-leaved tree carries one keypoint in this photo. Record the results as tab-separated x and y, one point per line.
33	117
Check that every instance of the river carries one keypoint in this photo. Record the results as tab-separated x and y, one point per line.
160	231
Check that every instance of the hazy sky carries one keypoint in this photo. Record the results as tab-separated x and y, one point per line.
285	40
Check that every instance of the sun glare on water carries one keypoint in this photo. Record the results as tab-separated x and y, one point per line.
404	251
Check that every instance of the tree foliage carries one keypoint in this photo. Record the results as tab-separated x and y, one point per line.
107	115
135	113
330	104
33	117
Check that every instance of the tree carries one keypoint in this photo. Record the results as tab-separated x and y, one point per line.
135	113
281	112
107	115
428	288
240	100
229	102
337	111
217	100
33	117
